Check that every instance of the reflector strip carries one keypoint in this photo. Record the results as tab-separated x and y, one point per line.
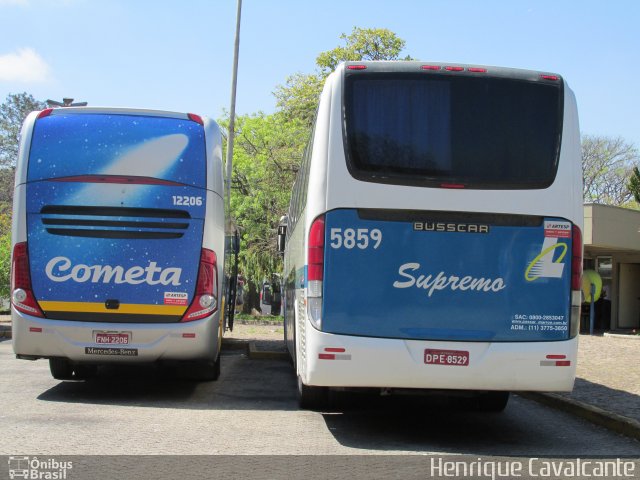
188	335
334	349
556	357
555	363
99	307
35	329
332	356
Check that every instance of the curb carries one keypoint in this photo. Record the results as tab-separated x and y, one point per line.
253	352
612	421
256	354
622	335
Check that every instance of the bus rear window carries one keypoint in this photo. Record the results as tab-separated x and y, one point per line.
68	145
488	132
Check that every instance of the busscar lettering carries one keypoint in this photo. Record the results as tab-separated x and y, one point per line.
60	269
450	227
432	282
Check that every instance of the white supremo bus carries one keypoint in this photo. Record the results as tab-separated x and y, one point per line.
118	240
433	239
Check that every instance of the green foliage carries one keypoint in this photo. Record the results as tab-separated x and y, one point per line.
362	44
267	152
12	113
298	97
5	254
634	184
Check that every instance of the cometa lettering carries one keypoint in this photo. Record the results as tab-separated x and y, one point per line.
432	283
60	269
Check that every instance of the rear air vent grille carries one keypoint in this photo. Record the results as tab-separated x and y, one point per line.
115	222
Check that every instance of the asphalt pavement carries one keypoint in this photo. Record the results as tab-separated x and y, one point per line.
606	392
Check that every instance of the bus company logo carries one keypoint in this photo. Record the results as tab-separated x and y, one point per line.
176	298
442	281
450	227
61	269
544	265
35	468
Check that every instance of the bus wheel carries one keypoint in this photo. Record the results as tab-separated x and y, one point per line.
61	369
206	371
84	372
312	398
491	401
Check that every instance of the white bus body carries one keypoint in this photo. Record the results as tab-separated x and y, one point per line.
118	240
434	235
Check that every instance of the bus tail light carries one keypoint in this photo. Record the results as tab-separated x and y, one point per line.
315	270
205	300
22	296
576	280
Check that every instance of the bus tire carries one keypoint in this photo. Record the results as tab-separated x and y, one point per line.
61	368
206	371
312	398
491	401
84	372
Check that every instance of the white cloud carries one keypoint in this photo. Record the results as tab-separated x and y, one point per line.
24	65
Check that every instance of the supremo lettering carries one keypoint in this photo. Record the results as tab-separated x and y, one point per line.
442	281
59	269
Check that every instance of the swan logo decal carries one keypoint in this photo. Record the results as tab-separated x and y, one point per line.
549	263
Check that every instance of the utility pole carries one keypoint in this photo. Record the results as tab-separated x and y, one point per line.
66	102
232	110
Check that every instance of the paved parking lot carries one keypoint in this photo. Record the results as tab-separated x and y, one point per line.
252	410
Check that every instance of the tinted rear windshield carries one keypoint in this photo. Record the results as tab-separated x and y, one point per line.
479	132
127	145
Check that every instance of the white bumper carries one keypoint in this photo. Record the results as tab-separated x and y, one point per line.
374	362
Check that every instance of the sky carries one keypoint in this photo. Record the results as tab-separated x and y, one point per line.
177	55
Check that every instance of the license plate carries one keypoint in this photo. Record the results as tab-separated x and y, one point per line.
446	357
113	338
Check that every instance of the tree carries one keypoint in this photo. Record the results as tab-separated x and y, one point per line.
634	184
607	166
267	153
12	113
298	97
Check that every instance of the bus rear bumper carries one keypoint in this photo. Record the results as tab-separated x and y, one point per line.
350	361
35	337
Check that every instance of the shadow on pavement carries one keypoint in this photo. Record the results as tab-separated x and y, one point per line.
439	424
243	385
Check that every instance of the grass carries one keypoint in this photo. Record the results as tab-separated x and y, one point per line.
259	319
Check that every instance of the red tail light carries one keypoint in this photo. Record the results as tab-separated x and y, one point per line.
553	78
431	67
356	67
452	68
195	118
315	267
205	300
576	261
45	113
22	296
